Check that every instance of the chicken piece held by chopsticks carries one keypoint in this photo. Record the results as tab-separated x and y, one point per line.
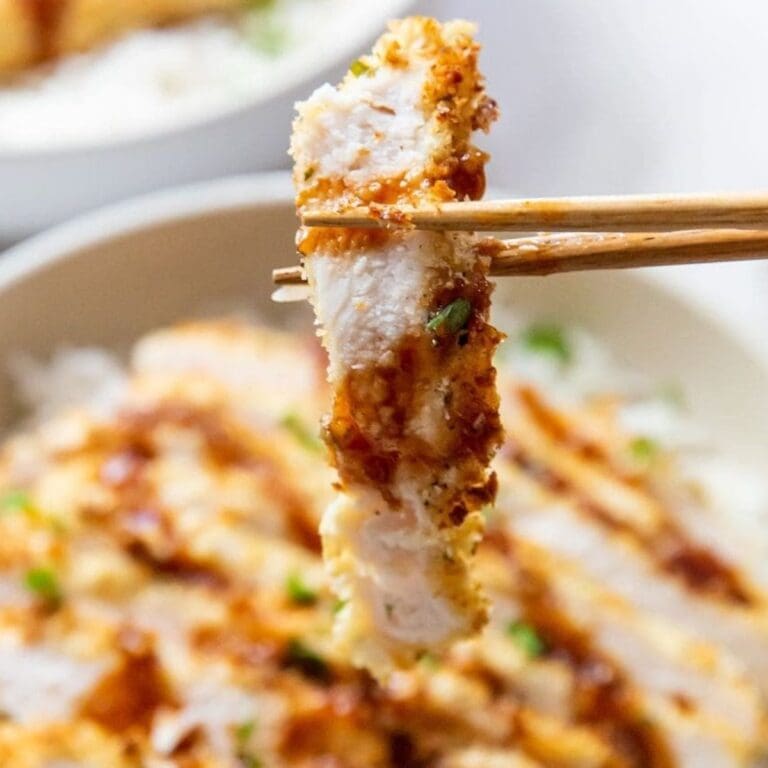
404	317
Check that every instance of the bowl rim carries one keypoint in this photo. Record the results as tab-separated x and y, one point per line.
64	241
320	57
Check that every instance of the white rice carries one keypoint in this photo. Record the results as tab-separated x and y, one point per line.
156	79
72	379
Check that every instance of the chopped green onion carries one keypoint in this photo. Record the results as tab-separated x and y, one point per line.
243	732
644	449
309	173
545	339
358	67
309	663
673	393
293	423
338	606
452	317
298	591
263	31
44	583
429	660
526	638
15	501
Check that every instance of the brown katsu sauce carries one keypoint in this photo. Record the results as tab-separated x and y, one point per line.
145	528
699	568
129	696
557	426
370	432
467	177
602	697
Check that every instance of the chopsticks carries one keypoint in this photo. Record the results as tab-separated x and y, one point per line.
631	213
575	251
582	233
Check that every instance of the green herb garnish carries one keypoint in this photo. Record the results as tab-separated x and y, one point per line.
298	591
243	733
305	660
338	606
309	173
271	39
644	449
452	317
293	423
545	339
262	30
428	660
44	583
526	638
15	501
672	393
358	68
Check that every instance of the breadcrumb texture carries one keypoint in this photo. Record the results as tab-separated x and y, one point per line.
404	316
181	616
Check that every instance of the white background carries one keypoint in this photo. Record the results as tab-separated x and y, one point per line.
619	96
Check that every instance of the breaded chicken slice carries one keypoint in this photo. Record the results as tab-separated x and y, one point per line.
18	36
32	31
84	24
404	317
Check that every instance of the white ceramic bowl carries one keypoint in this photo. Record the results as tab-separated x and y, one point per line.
41	188
110	276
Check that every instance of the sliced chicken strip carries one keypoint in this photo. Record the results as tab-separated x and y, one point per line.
612	558
663	662
414	420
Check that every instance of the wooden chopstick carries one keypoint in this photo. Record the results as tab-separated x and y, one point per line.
574	252
593	214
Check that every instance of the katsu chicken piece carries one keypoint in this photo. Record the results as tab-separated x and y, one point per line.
32	31
404	317
18	36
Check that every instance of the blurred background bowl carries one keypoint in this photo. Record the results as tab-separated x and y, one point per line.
113	275
39	188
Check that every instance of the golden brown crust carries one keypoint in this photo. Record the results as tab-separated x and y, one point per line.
244	619
19	43
672	550
370	430
414	424
454	100
35	31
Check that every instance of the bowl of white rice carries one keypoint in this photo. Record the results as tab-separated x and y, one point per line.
172	105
